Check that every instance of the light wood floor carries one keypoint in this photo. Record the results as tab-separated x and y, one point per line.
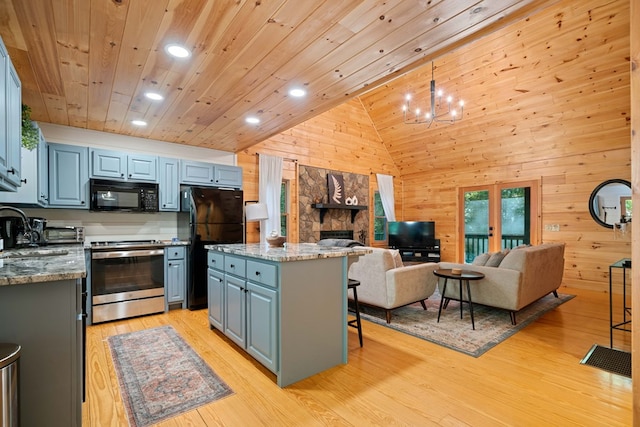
533	378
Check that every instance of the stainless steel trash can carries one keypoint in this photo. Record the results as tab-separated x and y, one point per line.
9	355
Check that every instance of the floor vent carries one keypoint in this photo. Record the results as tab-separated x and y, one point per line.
609	359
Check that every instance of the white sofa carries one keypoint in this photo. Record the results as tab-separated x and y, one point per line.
385	282
523	276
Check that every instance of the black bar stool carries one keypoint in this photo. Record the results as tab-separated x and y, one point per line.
355	323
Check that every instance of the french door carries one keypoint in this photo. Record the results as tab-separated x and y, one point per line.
498	216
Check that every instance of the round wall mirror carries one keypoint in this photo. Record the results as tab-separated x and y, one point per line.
610	202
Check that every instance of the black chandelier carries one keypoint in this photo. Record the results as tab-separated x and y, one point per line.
437	112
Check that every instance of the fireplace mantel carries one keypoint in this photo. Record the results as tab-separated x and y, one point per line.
324	207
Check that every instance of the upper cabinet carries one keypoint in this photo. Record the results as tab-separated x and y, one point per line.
123	166
68	176
209	174
10	123
227	176
34	190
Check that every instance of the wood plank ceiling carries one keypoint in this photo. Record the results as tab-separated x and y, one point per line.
87	63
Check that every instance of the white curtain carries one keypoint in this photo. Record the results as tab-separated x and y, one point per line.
270	172
385	187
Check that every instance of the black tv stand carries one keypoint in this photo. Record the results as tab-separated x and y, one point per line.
428	253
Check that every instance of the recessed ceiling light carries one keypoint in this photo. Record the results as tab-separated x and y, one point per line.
297	92
252	120
154	96
177	50
138	122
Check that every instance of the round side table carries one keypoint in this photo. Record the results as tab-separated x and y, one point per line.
465	276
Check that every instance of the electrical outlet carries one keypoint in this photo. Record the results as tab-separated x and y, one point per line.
552	227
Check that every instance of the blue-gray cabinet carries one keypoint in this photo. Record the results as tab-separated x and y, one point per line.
10	123
243	303
68	176
227	176
4	143
210	174
34	191
287	311
199	173
124	166
14	127
215	298
45	319
175	274
169	184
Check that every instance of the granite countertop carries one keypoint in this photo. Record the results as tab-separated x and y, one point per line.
291	251
42	264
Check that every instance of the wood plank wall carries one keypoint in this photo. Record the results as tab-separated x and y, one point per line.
547	98
342	139
635	183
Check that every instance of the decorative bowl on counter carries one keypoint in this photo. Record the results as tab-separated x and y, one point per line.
276	241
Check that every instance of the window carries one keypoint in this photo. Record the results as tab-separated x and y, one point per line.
379	219
284	207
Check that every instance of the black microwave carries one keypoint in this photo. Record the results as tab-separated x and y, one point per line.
121	196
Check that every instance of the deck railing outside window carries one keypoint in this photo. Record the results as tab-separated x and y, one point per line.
475	244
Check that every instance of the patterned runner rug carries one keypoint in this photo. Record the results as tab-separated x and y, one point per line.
160	376
492	325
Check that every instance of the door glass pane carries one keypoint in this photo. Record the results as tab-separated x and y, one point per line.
515	218
476	224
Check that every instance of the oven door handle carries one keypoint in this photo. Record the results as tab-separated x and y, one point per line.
127	254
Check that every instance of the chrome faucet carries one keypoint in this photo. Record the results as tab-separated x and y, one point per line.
28	231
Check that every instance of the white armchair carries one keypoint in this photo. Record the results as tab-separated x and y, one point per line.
385	282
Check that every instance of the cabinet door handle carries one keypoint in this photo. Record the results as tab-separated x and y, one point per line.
24	181
257	273
12	171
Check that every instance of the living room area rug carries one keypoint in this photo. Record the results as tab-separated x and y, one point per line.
161	376
493	325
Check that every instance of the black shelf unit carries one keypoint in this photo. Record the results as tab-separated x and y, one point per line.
429	253
324	207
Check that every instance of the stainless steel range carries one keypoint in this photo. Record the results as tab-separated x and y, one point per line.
127	279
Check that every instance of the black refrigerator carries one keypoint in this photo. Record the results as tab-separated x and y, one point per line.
207	216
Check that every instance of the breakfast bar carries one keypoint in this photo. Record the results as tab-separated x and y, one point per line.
41	311
286	306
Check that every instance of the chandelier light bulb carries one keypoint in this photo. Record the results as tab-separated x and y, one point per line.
417	111
449	99
408	97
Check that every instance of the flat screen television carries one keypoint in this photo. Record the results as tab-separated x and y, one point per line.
411	234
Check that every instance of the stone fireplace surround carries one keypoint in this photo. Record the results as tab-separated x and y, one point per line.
313	189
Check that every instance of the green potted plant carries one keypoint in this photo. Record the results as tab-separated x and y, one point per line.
30	137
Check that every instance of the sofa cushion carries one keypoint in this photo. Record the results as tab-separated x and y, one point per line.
496	258
481	259
397	258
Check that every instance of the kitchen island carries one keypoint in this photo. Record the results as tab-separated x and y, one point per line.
41	310
287	306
